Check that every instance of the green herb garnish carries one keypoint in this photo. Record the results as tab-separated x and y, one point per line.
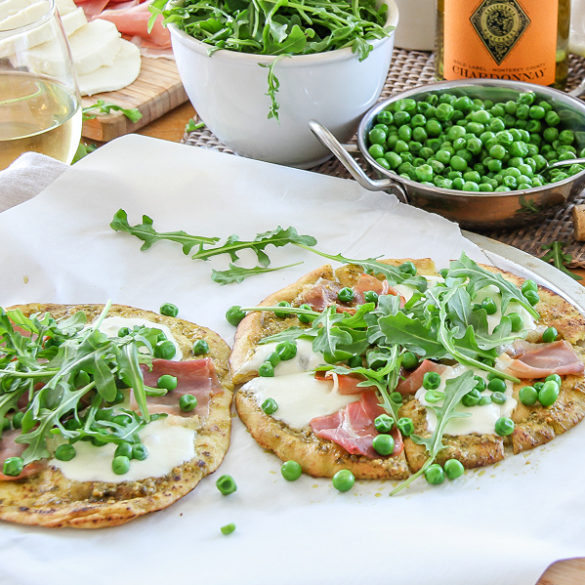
68	374
558	258
101	107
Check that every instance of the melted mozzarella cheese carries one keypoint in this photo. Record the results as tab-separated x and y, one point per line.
300	397
168	445
480	419
305	359
111	325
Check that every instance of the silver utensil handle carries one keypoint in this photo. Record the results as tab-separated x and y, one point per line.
327	139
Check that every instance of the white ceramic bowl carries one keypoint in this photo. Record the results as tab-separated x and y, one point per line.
228	91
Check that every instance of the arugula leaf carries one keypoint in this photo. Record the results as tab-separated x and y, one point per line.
479	278
238	274
558	258
146	232
455	389
101	107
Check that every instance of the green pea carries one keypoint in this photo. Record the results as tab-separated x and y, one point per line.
409	360
371	297
165	350
528	395
305	318
549	393
555	378
291	470
480	384
472	398
123	449
516	321
497	385
269	406
120	465
169	310
434	474
405	426
383	423
453	468
187	402
343	480
376	150
65	452
167	382
377	136
266	370
286	350
538	385
431	381
385	117
226	485
529	285
498	397
280	313
200	347
123	331
234	315
346	294
532	297
490	306
383	444
227	529
396	397
504	426
549	335
408	268
17	420
497	151
139	452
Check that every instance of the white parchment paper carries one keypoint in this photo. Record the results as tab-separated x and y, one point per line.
503	524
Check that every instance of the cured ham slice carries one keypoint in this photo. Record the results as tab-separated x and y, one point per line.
353	427
132	20
414	380
537	360
321	295
9	448
346	383
195	377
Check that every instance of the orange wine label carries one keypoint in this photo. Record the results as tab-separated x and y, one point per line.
504	39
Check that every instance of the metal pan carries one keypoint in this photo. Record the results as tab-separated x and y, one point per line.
475	211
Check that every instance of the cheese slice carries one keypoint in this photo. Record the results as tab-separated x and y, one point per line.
22	15
92	46
122	72
72	21
65	6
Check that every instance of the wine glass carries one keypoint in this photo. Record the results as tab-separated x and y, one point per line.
40	107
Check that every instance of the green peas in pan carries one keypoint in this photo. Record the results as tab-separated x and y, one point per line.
444	133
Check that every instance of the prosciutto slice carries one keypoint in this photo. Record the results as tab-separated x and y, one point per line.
195	377
346	383
414	380
353	428
537	360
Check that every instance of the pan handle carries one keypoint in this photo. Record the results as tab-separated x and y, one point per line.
327	139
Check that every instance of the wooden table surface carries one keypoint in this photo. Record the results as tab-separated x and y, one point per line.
172	127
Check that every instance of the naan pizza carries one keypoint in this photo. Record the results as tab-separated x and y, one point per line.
390	371
107	414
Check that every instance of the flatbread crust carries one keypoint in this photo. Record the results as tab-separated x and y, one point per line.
535	425
50	499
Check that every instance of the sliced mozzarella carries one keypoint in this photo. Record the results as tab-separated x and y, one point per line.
480	419
111	325
72	21
25	14
92	46
122	72
305	359
300	397
65	6
168	445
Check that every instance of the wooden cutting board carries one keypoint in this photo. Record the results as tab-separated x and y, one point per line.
156	91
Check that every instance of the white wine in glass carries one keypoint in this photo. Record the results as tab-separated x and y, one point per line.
40	107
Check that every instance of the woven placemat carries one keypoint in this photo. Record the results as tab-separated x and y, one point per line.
410	69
